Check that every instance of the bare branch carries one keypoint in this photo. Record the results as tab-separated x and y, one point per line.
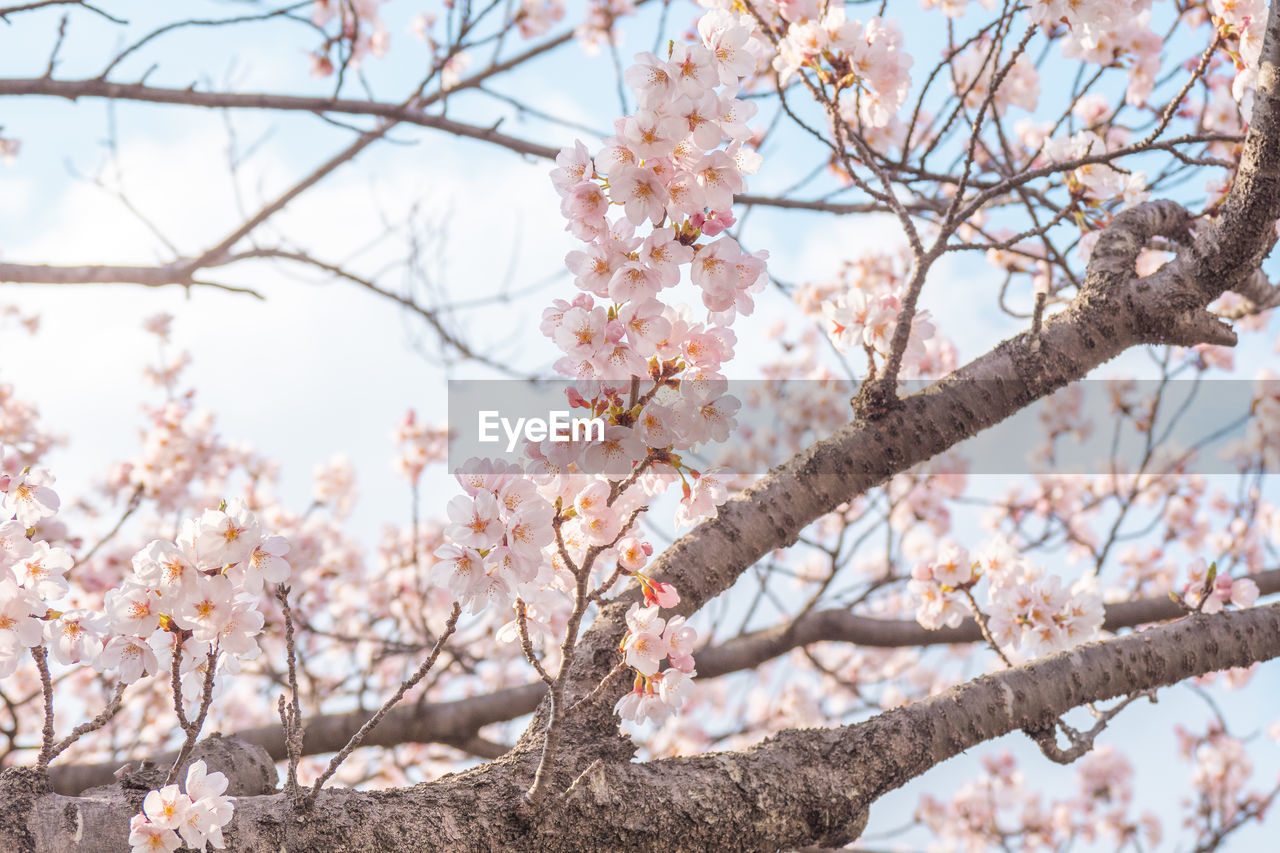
6	11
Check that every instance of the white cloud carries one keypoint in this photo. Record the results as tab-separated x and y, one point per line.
314	369
16	193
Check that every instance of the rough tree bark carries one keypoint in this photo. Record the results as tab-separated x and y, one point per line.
811	786
799	787
457	723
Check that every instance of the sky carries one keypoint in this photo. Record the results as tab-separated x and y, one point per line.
319	368
313	352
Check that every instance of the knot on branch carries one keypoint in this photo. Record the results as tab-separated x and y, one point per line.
875	399
1046	738
249	769
1116	253
1167	307
1045	735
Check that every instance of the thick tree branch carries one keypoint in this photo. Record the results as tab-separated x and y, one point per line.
799	787
452	723
456	723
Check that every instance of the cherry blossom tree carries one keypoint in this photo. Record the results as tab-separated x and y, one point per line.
533	660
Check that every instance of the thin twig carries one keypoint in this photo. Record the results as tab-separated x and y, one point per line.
522	620
191	727
41	657
1081	742
291	715
981	619
618	668
135	500
405	687
113	708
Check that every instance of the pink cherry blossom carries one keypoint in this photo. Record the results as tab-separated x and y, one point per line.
458	568
603	527
573	167
644	645
18	626
651	79
75	636
265	563
207	607
475	521
615	456
633	282
661	594
529	531
645	326
210	810
707	493
693	69
628	707
29	498
227	537
640	192
632	553
726	38
133	609
129	656
674	688
43	570
163	565
148	837
592	499
953	567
